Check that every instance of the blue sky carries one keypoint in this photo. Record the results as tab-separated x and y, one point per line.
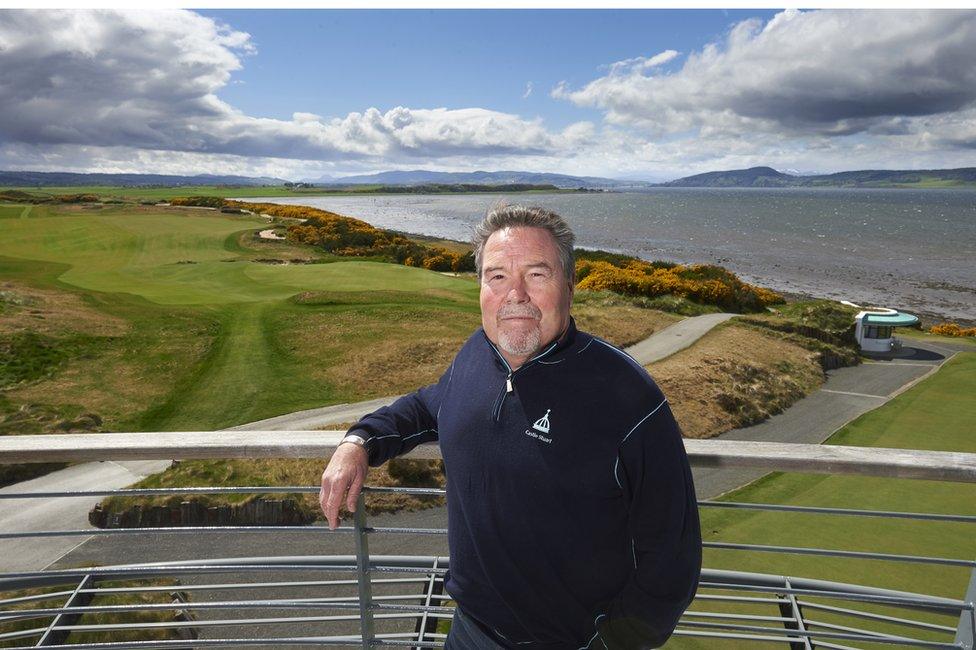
336	62
651	94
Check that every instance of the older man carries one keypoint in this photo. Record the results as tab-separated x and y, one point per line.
572	520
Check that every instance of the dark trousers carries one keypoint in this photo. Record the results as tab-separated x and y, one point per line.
465	634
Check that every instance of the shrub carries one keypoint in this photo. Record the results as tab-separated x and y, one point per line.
350	237
701	283
952	329
199	201
76	198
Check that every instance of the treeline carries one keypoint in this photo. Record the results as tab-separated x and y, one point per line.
451	188
346	236
702	283
18	196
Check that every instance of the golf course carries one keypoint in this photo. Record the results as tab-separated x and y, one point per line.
130	317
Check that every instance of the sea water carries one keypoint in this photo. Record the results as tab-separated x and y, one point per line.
908	249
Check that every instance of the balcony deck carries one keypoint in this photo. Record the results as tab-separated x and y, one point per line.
299	598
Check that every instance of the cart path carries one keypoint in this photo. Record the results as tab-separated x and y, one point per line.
657	346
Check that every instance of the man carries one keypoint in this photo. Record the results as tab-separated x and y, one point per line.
572	519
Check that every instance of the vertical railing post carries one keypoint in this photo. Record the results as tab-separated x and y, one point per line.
53	637
362	574
966	632
790	609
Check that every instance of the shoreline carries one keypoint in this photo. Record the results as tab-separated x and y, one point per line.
791	267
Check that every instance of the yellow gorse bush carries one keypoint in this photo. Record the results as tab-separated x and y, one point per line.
952	329
351	237
703	283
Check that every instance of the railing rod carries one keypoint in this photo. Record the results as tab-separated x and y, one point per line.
893	514
148	571
174	530
946	605
877	617
35	597
243	585
750	617
808	634
249	489
864	555
740	599
406	531
792	457
779	640
273	642
837	626
305	603
108	627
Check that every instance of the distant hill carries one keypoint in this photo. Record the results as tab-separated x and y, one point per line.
56	179
424	177
769	177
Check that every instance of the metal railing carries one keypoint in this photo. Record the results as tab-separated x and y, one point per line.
369	600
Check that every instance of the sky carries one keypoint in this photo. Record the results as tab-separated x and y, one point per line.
649	94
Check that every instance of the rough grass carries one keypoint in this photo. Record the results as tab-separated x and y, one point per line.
60	594
916	419
734	376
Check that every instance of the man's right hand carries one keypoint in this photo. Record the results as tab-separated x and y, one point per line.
343	478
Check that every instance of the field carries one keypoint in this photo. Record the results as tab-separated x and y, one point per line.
917	419
151	318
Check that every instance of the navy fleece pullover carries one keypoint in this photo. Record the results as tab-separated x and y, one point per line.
572	519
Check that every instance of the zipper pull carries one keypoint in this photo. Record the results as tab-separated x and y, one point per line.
508	383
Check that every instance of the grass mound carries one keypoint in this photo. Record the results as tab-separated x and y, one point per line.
736	376
701	283
281	472
916	419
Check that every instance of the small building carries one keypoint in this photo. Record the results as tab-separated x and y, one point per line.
874	328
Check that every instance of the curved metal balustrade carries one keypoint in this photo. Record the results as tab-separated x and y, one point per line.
365	600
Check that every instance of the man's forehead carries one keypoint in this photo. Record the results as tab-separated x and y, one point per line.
536	243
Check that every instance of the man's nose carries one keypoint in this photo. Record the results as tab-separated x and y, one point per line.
516	291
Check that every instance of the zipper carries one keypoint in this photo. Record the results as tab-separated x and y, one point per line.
496	411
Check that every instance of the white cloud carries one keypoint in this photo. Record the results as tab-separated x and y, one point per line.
639	64
528	90
823	72
149	80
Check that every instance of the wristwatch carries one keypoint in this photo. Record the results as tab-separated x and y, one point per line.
354	439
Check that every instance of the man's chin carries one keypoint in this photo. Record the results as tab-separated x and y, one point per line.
523	342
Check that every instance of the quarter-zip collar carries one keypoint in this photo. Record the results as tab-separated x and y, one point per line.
560	343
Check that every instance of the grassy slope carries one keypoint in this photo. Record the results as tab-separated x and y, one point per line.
209	322
917	419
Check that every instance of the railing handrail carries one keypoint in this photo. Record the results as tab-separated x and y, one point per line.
725	454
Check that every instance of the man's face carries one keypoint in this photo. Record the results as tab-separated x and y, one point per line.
525	296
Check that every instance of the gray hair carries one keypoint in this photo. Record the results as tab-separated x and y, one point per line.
518	216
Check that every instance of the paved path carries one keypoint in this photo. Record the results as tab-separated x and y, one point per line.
675	338
60	513
847	394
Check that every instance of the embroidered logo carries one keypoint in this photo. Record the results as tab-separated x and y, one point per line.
542	424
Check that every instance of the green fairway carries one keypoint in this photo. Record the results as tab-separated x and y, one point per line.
936	414
203	349
190	259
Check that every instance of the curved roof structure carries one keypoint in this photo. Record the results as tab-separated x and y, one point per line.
896	319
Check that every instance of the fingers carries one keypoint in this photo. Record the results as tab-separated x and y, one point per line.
354	489
342	480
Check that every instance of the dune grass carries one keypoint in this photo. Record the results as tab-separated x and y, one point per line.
916	419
